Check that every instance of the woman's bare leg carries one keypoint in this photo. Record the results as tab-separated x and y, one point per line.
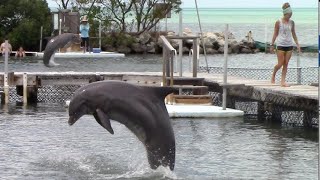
285	68
281	59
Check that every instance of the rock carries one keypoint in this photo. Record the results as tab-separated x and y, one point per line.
187	32
174	43
124	49
221	50
144	38
109	48
235	48
151	47
171	33
246	50
137	47
185	50
209	39
256	50
211	51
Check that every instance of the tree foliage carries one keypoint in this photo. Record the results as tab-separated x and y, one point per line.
21	22
124	15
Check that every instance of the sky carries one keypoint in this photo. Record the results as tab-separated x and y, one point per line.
239	3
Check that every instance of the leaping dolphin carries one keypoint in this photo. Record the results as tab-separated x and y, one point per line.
60	41
140	108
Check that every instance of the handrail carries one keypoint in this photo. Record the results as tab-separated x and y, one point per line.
168	56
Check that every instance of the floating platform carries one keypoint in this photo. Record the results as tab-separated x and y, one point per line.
84	55
197	111
201	111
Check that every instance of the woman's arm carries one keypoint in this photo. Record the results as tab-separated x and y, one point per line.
275	35
275	32
294	35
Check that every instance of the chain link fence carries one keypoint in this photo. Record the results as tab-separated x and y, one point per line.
309	75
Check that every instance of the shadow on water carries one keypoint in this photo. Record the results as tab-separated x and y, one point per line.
283	130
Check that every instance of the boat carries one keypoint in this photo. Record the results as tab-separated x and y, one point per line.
304	48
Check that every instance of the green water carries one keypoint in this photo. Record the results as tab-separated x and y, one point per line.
241	20
245	15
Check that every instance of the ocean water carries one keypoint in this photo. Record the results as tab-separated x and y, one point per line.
242	20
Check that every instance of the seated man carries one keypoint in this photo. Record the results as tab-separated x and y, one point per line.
2	48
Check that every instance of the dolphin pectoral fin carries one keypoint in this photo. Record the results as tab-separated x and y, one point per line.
103	119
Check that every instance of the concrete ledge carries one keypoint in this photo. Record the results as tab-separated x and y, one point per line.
201	111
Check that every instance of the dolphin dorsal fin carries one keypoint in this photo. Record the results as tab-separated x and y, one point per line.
162	92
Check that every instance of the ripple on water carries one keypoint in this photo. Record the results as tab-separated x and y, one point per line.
38	143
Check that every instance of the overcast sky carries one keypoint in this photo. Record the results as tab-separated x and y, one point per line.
239	3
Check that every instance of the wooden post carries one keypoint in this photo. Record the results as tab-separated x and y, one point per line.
164	55
195	57
25	88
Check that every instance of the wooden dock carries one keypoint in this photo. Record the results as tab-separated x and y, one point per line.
300	98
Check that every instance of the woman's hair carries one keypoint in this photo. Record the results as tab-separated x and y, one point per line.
285	5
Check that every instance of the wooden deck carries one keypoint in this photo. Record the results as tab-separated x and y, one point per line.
297	96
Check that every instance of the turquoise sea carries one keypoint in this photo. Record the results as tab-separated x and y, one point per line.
241	20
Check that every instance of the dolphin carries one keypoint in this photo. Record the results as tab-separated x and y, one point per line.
140	108
60	41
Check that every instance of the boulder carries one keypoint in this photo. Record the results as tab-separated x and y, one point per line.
150	48
246	50
144	38
211	51
124	49
137	48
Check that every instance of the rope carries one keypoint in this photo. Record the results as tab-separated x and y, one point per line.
201	35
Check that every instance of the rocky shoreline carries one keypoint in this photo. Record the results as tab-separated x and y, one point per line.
151	43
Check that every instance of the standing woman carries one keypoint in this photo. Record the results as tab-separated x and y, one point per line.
284	31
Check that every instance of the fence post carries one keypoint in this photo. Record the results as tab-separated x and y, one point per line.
100	34
180	44
195	57
225	68
5	76
25	90
41	29
298	69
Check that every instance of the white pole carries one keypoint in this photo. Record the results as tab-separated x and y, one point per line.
25	92
60	20
225	68
41	29
180	44
100	34
298	69
266	35
6	85
190	59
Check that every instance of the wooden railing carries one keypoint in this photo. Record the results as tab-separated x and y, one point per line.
167	65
